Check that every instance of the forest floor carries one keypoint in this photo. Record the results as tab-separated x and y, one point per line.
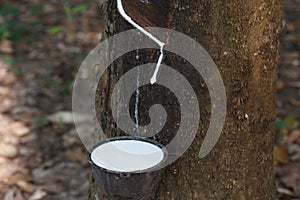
43	44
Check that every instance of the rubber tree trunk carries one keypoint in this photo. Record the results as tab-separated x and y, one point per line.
243	39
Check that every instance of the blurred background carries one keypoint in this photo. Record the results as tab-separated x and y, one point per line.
42	44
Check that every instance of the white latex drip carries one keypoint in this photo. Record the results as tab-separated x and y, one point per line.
136	110
154	77
152	37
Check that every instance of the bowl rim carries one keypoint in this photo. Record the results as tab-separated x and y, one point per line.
139	138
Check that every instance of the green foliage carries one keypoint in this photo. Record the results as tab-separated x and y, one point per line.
36	8
79	8
55	29
278	124
10	27
66	87
9	10
70	12
35	24
40	121
10	62
283	127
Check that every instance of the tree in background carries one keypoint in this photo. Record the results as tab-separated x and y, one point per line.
243	39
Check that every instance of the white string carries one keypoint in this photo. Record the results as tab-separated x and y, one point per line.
152	37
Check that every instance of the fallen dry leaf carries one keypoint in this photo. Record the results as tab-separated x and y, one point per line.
52	187
76	155
4	91
294	137
61	117
25	186
6	47
281	155
19	129
285	191
66	117
38	194
290	175
8	150
19	196
7	170
293	144
17	176
294	102
9	79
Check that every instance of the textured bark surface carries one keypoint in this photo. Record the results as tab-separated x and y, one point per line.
243	39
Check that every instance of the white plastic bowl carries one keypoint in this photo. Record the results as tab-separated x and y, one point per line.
127	155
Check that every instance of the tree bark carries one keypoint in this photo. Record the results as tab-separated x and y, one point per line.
243	39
